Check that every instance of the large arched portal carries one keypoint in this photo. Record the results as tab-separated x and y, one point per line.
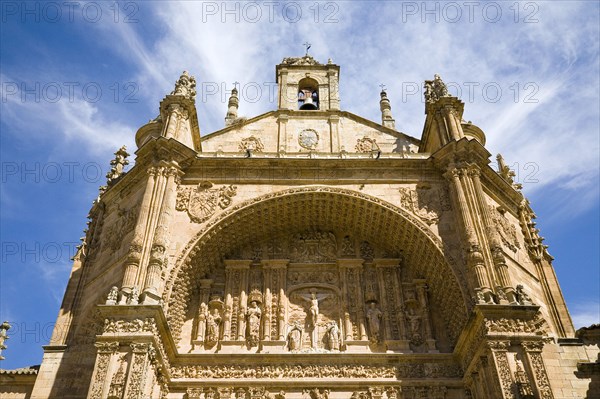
310	257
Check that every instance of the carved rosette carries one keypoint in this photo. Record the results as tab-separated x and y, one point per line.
201	202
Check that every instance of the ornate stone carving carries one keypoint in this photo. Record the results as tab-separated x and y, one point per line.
117	166
316	393
435	89
506	230
113	296
285	370
117	384
185	86
313	247
366	145
200	256
123	225
201	202
425	202
130	326
522	296
251	143
535	326
435	392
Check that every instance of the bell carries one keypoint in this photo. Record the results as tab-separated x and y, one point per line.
308	104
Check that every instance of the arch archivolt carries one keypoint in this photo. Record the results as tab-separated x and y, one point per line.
357	251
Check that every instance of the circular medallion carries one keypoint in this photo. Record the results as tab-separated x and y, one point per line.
308	138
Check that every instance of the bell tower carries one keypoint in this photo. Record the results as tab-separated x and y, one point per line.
307	85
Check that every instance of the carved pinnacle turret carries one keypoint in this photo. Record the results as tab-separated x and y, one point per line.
118	166
387	119
185	86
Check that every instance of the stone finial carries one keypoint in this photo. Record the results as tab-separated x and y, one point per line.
4	327
232	110
435	89
385	106
507	173
117	165
185	86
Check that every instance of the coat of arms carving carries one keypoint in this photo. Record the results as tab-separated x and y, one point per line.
506	230
202	201
251	144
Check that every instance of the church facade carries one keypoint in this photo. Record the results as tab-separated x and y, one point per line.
311	253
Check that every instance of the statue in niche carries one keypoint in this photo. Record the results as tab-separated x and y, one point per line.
374	316
253	314
333	336
414	326
294	338
213	322
314	315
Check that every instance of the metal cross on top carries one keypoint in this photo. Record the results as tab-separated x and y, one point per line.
307	45
235	84
382	87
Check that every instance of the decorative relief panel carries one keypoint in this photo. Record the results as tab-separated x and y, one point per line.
313	246
122	225
201	202
506	230
366	145
425	202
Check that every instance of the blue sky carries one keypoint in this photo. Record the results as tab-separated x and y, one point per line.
77	80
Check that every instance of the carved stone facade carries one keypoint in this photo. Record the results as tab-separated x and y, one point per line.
309	253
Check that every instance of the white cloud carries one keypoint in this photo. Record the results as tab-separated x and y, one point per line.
584	315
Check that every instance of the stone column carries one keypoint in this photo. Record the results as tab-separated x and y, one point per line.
158	259
353	299
498	259
267	305
282	122
100	380
134	255
475	259
536	368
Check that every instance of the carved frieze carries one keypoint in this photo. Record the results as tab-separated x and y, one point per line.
130	326
201	202
283	371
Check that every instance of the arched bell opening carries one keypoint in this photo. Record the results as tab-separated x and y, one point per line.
399	292
308	95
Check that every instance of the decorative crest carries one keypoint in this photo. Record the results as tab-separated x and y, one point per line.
306	60
185	86
435	89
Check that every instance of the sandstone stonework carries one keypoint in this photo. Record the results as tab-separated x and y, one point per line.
310	253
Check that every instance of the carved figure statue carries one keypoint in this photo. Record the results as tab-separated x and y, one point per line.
294	338
113	294
334	336
374	316
314	315
253	315
202	316
522	296
213	327
134	297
